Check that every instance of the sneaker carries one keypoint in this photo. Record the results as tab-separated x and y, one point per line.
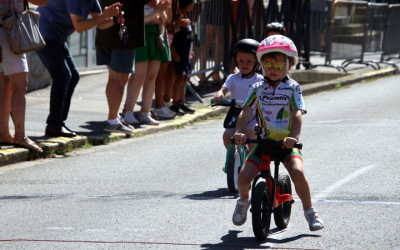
186	109
165	113
117	128
313	219
145	118
130	118
177	109
240	215
125	123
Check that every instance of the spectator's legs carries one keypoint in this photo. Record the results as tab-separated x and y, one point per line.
5	108
169	81
148	88
73	82
160	86
135	84
19	84
53	57
115	91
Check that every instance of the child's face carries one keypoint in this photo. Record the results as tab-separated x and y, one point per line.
274	66
245	62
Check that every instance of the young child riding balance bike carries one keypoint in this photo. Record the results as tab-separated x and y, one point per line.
238	84
279	106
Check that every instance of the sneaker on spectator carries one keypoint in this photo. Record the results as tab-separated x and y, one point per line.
186	109
125	123
165	113
313	219
117	128
130	118
145	118
177	109
240	215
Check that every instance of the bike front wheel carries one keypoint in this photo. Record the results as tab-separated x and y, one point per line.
261	209
282	212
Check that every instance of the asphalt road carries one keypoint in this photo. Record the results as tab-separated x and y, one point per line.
168	191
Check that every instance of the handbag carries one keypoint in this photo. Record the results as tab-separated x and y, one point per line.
23	30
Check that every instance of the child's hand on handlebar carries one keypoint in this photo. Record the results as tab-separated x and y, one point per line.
218	98
240	138
289	142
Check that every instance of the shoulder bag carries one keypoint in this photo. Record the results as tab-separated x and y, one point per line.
23	30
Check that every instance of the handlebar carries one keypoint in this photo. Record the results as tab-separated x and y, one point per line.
228	103
268	141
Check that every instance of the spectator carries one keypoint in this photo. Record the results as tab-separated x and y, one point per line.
182	44
119	56
147	63
13	84
213	14
58	20
166	74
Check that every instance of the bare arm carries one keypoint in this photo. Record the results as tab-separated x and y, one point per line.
38	2
241	125
103	19
297	121
220	94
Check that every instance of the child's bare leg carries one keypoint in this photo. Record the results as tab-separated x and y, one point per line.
247	174
228	133
296	172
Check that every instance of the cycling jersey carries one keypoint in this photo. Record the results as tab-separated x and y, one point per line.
273	107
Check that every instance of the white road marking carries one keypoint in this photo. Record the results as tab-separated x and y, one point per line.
325	193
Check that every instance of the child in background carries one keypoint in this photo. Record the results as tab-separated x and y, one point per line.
244	54
279	105
182	45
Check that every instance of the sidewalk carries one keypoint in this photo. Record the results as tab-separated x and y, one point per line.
89	111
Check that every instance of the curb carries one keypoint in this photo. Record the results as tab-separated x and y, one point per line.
61	145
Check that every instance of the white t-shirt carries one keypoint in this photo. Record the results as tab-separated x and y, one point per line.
239	87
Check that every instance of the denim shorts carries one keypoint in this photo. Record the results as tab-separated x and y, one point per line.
119	60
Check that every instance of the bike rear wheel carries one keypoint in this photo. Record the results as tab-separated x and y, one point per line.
233	168
261	209
282	213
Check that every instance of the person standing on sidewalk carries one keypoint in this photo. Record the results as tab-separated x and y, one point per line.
13	83
58	20
119	56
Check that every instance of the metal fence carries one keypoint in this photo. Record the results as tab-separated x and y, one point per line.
339	30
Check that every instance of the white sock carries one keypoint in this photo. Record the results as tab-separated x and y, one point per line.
113	121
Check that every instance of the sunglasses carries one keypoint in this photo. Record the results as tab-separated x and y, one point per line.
277	66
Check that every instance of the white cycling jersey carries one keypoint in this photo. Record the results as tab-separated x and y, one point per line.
275	106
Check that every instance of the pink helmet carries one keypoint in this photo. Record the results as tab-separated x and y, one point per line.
277	43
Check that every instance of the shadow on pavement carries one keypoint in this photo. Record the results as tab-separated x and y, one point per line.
232	241
213	194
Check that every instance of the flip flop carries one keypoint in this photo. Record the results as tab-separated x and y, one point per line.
28	144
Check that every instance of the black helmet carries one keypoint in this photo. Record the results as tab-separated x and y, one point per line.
246	45
275	26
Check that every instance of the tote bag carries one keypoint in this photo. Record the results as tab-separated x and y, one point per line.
23	31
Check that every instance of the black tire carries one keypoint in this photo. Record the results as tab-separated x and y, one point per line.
282	213
261	209
233	168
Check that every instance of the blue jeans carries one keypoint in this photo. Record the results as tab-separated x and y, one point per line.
58	60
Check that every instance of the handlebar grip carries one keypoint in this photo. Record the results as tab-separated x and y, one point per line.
298	145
